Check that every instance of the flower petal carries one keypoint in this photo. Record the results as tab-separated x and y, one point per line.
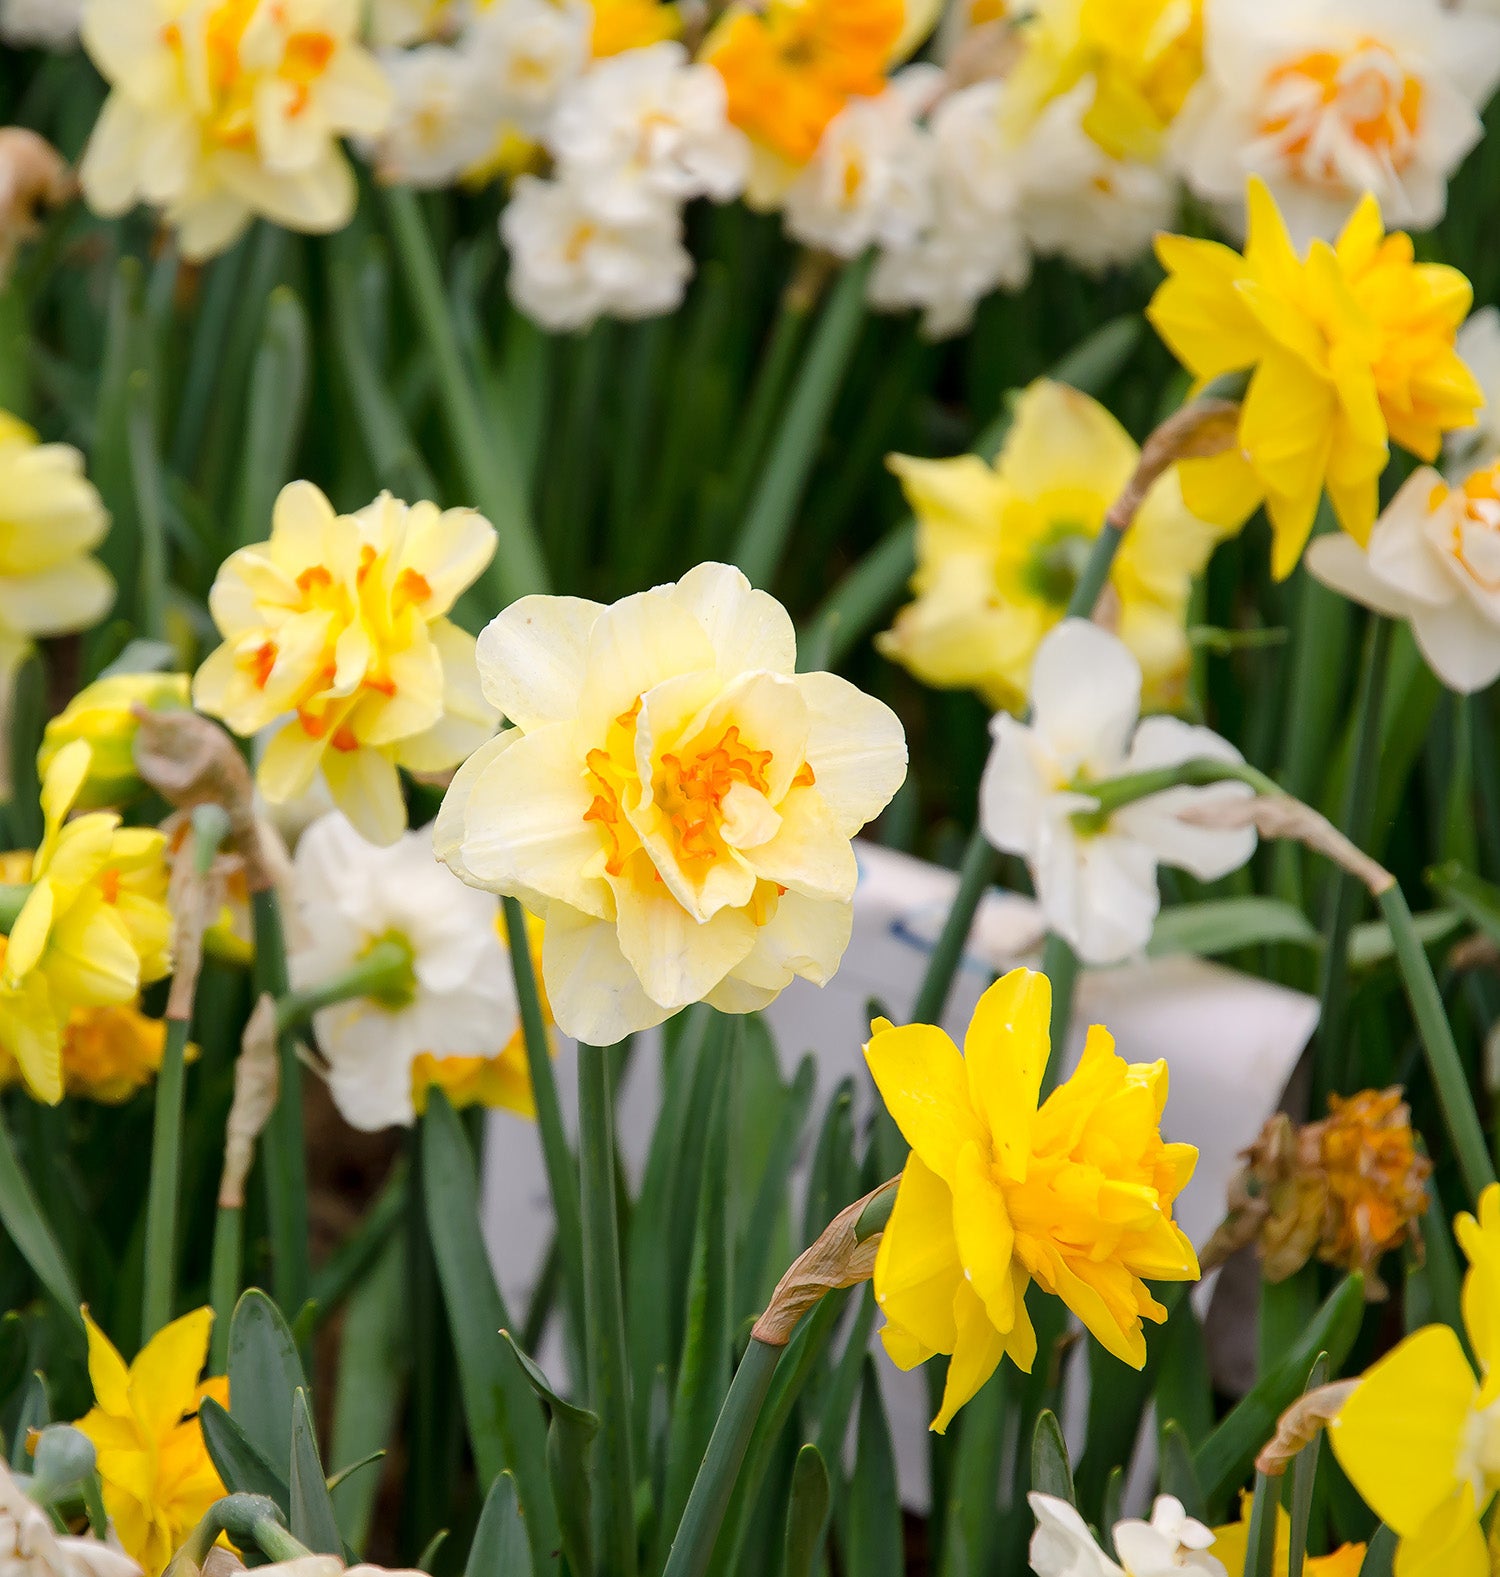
532	658
922	1081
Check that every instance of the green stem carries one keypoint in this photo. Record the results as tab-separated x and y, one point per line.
13	898
282	1143
704	1514
159	1294
773	507
486	450
224	1280
1358	816
562	1169
980	866
145	470
1095	574
859	599
384	973
768	393
1060	966
604	1309
1443	1063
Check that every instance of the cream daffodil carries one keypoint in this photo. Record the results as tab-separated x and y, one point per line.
674	799
1075	1193
157	1477
93	929
1095	877
222	110
337	630
1000	549
1172	1541
1420	1436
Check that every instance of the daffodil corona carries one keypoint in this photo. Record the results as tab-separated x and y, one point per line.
1348	349
336	633
222	110
674	799
1075	1194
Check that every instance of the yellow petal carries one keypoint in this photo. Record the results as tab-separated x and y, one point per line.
922	1081
1005	1054
917	1266
985	1238
1450	1543
107	1372
1060	438
976	1356
164	1376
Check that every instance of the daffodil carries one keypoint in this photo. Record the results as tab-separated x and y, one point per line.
222	110
51	519
31	1547
93	929
337	630
158	1480
1232	1545
674	799
1000	550
1075	1194
108	1054
444	1014
1348	349
790	66
1420	1436
1172	1541
101	715
623	25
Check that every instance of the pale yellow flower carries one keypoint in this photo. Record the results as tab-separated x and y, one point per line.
101	714
1000	550
675	800
93	930
337	628
222	110
51	518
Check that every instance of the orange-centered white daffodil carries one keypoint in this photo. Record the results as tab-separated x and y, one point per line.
674	800
222	110
338	628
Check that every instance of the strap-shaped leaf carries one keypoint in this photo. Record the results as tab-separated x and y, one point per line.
500	1547
312	1518
265	1375
1051	1472
806	1512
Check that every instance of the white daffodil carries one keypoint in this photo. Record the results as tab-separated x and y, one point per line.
1170	1542
1097	883
443	119
1330	99
674	799
1433	560
1479	347
645	131
51	24
527	52
569	267
447	996
871	180
29	1546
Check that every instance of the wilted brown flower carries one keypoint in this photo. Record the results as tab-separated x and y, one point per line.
1347	1189
33	176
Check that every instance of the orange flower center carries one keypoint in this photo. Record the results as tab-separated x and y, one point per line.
691	792
1318	104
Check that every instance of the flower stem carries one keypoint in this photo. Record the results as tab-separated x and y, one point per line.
486	450
773	506
145	471
980	866
224	1280
13	898
282	1143
562	1169
1443	1061
385	971
1359	813
1060	966
604	1308
159	1293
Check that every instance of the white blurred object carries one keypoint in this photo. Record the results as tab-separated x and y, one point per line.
49	24
1230	1042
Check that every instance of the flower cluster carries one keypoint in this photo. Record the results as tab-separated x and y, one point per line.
673	798
1074	1193
336	635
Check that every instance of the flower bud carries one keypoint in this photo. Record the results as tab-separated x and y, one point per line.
101	714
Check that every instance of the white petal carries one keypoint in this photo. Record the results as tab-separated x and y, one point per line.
1339	562
1085	696
532	658
1461	644
449	830
678	958
596	996
1118	899
1012	794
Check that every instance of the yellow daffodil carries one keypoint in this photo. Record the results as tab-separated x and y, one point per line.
1143	57
108	1054
620	25
1000	549
222	110
1347	349
93	929
1232	1544
998	1192
791	65
101	715
1420	1436
337	628
158	1480
51	518
675	800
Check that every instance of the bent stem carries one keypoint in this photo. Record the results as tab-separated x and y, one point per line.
608	1357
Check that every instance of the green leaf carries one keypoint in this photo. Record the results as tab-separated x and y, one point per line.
504	1419
1380	1556
36	1413
1113	1509
500	1547
1184	1389
875	1544
311	1519
570	1462
969	1530
1260	1548
1224	925
806	1513
265	1375
753	1271
1304	1476
242	1468
1178	1475
427	1560
1372	944
833	1180
1051	1472
1224	1458
26	1226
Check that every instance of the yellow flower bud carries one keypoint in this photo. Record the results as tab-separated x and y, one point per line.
101	716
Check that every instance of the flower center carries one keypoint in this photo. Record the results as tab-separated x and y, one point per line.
690	790
1476	534
609	780
386	966
1057	561
1326	106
